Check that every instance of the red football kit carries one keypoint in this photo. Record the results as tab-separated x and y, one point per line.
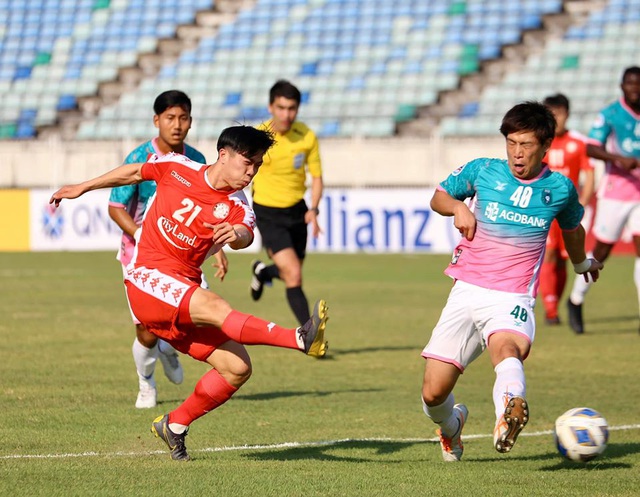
174	239
165	269
165	272
568	156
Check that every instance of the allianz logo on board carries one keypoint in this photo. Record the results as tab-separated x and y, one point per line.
383	220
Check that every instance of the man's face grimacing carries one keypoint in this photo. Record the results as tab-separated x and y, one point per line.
238	170
525	153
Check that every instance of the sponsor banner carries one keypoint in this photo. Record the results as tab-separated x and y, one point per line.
14	221
352	220
383	220
79	224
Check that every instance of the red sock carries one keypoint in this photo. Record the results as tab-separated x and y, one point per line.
250	330
211	391
561	273
548	285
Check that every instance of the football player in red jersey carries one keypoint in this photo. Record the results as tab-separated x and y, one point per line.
567	155
193	216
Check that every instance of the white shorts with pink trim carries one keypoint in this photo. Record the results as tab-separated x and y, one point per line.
472	314
613	216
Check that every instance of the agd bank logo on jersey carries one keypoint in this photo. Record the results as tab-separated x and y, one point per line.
491	211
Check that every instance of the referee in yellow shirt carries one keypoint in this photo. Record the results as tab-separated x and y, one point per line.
282	215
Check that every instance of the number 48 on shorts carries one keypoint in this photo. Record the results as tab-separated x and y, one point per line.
520	313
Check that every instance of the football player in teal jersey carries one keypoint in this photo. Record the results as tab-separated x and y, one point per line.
496	266
615	139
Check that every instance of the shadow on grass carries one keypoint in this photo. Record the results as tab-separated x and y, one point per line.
282	395
604	462
598	326
326	451
310	393
366	350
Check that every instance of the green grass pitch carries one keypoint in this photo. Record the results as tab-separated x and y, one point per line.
348	425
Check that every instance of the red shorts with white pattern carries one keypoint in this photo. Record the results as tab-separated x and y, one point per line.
161	303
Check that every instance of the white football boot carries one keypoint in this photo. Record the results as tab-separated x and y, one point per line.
452	447
147	396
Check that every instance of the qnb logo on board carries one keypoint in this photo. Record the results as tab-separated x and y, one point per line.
52	221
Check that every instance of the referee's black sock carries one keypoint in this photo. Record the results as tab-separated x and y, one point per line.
269	273
298	303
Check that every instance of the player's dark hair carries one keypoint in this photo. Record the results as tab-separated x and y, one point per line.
283	88
245	140
557	101
529	116
633	70
172	98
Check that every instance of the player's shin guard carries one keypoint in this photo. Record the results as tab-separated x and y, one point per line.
250	330
145	360
211	392
510	382
443	415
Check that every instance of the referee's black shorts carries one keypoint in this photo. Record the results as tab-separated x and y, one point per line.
283	228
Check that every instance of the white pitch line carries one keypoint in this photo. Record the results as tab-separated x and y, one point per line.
283	445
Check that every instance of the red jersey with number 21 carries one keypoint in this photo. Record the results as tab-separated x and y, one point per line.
174	239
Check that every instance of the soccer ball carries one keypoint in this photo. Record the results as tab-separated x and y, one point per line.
581	434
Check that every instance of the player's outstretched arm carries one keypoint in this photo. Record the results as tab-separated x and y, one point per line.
126	174
600	153
574	243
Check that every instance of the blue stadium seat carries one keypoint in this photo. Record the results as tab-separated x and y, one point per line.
346	56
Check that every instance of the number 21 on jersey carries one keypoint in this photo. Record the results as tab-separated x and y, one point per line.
189	208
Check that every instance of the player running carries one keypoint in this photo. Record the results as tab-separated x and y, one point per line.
495	268
616	134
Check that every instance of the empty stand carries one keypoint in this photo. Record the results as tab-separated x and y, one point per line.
363	66
586	64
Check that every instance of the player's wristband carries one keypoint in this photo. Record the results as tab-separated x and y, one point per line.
583	267
315	210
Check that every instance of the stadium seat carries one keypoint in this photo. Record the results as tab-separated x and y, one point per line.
345	55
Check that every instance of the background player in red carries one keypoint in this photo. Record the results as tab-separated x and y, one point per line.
193	215
567	155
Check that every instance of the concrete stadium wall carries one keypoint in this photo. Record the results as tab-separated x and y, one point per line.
346	162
